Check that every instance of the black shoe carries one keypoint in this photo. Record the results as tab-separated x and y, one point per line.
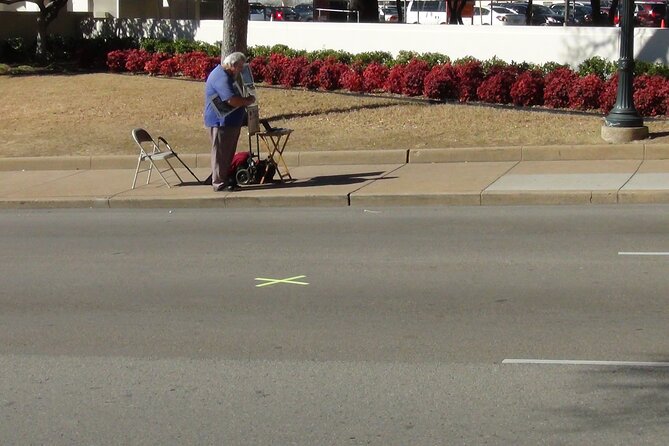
232	188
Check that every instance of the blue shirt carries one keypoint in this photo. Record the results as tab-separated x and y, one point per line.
220	83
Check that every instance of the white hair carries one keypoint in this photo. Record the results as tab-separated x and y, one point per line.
233	59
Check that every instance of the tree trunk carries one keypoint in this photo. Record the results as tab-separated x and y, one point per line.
40	48
596	12
235	26
368	10
459	7
47	14
400	11
528	14
612	12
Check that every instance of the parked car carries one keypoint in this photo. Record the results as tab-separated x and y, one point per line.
578	15
388	14
305	11
428	12
256	11
282	13
541	15
498	15
651	14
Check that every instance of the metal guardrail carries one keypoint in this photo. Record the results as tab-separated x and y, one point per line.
347	11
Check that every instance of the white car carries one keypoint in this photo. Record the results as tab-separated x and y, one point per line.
388	14
498	15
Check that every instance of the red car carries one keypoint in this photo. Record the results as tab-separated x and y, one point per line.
651	14
647	13
283	13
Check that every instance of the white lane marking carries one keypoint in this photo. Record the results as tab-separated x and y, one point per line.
286	280
369	211
624	253
586	362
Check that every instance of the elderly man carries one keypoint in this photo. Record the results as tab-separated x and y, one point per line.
224	114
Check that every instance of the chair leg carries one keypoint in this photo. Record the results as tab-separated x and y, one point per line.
148	178
134	180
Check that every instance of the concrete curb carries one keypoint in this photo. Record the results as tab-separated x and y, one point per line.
394	156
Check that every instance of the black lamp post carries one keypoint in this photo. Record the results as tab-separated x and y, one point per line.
623	113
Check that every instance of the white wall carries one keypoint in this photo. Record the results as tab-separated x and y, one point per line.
570	45
534	44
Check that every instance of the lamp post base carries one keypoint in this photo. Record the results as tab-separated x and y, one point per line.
623	134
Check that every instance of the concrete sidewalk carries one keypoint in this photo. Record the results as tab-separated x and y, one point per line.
607	174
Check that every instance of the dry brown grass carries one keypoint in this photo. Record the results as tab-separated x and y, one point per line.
93	114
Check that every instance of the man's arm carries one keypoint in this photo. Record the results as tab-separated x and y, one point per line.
240	101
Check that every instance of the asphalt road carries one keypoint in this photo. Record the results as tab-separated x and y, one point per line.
390	327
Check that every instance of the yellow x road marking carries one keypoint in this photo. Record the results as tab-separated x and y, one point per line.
275	281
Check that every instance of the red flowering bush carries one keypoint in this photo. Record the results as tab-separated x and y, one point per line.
309	77
330	73
414	76
374	76
197	64
651	95
153	65
292	71
585	92
528	89
496	88
136	59
556	87
258	66
352	80
393	82
470	77
275	67
441	83
609	94
116	60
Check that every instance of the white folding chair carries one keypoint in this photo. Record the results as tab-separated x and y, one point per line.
150	151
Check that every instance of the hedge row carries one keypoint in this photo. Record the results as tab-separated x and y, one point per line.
464	81
92	53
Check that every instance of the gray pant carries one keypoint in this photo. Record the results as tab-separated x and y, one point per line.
223	147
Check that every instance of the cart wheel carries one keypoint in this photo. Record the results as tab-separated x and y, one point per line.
243	176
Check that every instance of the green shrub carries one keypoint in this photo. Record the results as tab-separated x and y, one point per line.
16	50
259	51
284	50
381	57
489	64
180	46
465	60
597	66
549	67
4	69
340	56
404	57
525	66
433	59
651	69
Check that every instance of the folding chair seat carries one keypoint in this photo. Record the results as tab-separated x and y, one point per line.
150	151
